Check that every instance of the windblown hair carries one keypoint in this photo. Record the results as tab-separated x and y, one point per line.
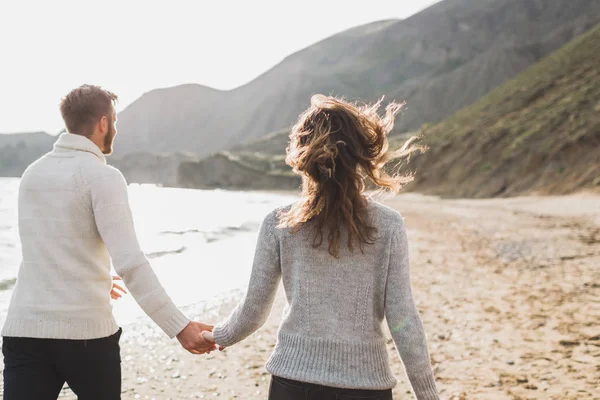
336	146
82	107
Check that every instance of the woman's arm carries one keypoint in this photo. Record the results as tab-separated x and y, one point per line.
252	312
404	321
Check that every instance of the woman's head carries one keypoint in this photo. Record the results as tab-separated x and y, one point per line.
335	146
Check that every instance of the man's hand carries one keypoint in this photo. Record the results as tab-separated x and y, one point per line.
114	294
192	340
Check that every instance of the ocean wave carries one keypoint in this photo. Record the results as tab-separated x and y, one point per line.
157	254
217	234
181	232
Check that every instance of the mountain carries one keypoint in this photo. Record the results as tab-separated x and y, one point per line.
439	61
273	144
237	171
540	132
162	169
166	120
537	133
18	150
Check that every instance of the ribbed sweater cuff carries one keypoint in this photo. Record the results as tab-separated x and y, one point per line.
223	336
424	386
170	319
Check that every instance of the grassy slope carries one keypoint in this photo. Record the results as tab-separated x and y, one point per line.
538	132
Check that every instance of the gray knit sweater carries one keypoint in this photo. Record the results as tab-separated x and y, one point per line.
331	332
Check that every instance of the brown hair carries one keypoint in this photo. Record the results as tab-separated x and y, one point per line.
335	146
82	107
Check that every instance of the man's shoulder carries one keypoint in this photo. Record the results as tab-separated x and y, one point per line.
37	170
38	164
92	171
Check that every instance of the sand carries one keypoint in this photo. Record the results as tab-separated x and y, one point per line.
508	289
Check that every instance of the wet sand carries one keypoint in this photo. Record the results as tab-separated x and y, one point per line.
508	289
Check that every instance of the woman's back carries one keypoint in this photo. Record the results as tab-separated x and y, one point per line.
340	298
331	331
343	260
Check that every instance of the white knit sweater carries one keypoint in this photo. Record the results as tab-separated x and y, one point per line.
74	217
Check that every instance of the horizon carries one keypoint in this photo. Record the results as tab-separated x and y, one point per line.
137	61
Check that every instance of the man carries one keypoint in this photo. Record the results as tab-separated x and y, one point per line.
74	218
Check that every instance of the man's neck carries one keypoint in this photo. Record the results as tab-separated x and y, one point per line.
98	141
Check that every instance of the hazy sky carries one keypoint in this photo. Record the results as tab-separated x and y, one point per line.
130	47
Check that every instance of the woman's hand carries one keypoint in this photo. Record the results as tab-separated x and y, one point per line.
114	294
208	336
192	340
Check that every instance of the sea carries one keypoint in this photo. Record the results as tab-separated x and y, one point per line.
200	243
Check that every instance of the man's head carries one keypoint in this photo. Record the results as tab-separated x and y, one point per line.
90	111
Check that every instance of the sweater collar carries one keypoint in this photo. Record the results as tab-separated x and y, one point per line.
69	141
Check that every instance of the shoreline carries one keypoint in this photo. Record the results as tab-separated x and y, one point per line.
507	290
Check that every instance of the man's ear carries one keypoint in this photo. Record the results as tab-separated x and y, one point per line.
104	124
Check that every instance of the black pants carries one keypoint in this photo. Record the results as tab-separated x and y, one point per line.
286	389
37	369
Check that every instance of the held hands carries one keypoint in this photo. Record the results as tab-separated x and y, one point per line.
192	340
208	335
192	337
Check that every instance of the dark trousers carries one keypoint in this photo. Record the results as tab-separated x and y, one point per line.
37	369
286	389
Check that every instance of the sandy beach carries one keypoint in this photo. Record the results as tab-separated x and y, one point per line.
508	289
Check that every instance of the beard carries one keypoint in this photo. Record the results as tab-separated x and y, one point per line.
109	140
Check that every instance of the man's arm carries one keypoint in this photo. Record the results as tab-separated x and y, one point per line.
110	203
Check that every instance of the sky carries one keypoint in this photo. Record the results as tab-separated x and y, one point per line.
133	46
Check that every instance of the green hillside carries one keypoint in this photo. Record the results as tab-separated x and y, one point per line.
540	132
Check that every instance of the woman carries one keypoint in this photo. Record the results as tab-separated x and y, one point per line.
344	263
